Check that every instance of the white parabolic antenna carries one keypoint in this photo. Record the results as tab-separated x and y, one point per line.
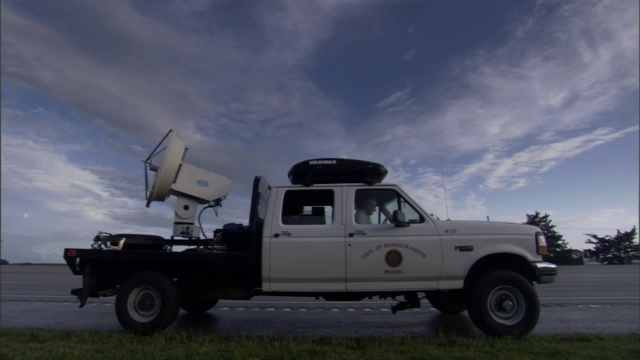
166	173
190	184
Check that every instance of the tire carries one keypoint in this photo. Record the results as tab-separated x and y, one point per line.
196	305
448	302
504	303
147	302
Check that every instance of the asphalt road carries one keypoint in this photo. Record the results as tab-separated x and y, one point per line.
585	299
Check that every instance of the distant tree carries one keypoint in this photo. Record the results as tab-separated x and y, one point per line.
618	249
558	248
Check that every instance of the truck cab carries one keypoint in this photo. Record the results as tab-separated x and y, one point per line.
317	240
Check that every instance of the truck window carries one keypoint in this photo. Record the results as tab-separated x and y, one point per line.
376	206
308	207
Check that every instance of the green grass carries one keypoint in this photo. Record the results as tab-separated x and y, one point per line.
42	344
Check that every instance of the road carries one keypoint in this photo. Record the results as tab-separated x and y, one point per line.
585	299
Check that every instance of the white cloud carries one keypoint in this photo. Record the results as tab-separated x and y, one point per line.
474	208
397	100
512	171
35	168
602	222
149	75
63	203
550	79
295	28
425	185
47	170
262	94
137	83
408	55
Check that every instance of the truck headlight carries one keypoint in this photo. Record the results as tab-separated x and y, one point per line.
541	243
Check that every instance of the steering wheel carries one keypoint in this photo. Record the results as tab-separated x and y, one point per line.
387	214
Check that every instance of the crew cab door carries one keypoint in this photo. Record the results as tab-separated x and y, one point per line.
383	256
307	240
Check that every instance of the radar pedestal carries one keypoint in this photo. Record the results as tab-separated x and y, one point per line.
190	184
185	216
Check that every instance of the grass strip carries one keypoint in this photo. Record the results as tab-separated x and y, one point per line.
45	344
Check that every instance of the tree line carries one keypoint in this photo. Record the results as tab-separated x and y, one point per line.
620	248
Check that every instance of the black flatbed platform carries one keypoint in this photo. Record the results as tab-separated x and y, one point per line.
201	259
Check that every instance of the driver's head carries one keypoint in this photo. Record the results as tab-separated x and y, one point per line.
368	205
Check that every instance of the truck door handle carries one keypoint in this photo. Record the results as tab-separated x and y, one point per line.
283	233
464	248
358	233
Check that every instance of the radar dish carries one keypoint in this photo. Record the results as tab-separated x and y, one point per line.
190	184
167	172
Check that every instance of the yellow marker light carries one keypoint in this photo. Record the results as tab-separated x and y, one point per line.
541	244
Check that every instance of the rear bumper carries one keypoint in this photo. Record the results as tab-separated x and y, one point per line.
545	273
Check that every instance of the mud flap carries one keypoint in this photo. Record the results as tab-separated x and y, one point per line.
88	283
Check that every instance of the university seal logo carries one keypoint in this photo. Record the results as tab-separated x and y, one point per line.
393	258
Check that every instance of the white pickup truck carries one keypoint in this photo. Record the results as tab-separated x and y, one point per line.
338	234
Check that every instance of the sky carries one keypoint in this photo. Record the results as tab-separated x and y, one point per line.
520	106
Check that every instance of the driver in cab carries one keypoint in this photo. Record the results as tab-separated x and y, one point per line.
364	208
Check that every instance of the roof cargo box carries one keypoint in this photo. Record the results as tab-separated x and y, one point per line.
336	171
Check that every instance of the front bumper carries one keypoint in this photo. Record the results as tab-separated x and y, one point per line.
545	273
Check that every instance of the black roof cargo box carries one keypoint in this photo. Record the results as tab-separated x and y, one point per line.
336	171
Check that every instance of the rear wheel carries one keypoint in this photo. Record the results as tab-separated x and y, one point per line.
197	305
147	302
448	302
504	303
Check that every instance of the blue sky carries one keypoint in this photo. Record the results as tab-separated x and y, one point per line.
526	106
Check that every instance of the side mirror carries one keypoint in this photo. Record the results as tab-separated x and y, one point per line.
399	219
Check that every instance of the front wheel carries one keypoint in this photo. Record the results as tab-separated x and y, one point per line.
504	303
147	302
